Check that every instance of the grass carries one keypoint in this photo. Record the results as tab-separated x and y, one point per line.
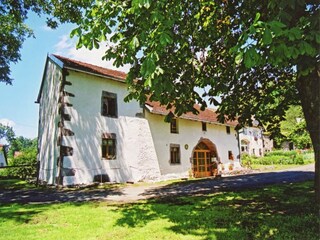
14	183
275	167
275	212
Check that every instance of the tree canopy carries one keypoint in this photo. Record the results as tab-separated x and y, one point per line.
247	52
7	133
293	128
14	31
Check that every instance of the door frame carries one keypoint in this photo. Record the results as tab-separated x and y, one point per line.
210	162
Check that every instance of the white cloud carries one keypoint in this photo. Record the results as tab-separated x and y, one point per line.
67	47
7	122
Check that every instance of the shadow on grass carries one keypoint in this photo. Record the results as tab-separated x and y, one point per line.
281	212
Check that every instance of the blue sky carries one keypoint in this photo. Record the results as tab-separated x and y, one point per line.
17	107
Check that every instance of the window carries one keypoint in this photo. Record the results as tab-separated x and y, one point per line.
174	126
109	104
109	149
174	153
228	129
230	155
204	126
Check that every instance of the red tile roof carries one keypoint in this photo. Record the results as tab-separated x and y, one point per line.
70	63
208	115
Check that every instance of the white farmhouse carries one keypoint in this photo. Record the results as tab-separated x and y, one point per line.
87	132
254	142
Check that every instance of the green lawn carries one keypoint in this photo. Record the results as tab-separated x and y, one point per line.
275	167
275	212
8	184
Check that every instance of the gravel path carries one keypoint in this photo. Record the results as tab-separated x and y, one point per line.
131	193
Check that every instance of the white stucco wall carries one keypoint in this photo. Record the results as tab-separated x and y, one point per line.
190	133
136	158
48	124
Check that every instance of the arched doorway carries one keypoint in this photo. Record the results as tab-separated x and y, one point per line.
204	160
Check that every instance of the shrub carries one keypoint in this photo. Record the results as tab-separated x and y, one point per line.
27	157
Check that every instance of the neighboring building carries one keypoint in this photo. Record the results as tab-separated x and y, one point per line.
251	141
3	156
88	133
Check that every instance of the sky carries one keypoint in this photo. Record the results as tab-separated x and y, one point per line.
17	101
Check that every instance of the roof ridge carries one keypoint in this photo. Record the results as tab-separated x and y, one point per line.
92	67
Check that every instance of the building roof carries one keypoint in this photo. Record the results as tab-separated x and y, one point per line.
90	68
208	115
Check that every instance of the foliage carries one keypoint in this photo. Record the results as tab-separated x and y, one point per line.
27	149
300	136
277	212
279	158
237	49
14	31
27	157
293	129
7	133
20	144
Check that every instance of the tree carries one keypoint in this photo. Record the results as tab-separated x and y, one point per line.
7	133
293	128
14	31
20	144
258	56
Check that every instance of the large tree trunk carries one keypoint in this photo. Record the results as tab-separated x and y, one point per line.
309	92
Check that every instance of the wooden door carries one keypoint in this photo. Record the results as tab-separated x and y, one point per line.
202	163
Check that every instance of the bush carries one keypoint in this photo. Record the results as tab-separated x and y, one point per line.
280	158
27	157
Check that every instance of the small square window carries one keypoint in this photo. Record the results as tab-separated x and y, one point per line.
109	148
109	104
174	154
228	129
204	126
230	155
174	126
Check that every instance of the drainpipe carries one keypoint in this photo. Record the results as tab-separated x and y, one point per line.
239	147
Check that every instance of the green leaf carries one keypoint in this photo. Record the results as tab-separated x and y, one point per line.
148	82
276	27
148	67
96	44
257	17
267	37
251	58
296	32
165	39
75	32
239	58
134	42
141	3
